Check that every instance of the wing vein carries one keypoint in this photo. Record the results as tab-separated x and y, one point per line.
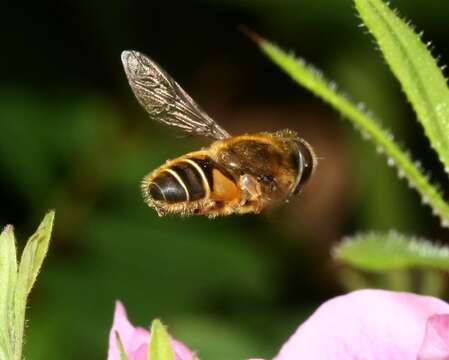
165	100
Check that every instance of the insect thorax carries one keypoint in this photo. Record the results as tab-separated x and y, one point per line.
268	158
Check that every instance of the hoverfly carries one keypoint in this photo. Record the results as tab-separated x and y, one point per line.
234	175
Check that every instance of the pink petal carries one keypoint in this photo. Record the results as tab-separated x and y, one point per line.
140	337
365	324
132	338
436	340
135	339
180	351
139	354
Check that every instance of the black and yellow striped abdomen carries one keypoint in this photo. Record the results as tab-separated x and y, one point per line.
187	179
190	184
191	179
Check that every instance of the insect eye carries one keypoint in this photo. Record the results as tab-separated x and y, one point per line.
304	160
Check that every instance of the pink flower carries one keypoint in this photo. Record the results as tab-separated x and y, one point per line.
362	325
135	339
373	325
436	341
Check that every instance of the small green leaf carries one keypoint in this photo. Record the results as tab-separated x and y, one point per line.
159	347
391	251
34	253
32	257
415	68
8	275
120	347
313	80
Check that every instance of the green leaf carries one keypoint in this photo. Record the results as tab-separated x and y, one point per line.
8	275
391	251
313	80
159	347
32	257
120	347
415	68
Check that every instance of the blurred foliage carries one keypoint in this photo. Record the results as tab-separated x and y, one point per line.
74	138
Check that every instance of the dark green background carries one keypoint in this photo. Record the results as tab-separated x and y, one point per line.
74	138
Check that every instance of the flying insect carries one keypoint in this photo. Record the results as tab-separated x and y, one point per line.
234	175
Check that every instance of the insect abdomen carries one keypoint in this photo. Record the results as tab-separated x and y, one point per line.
166	187
186	179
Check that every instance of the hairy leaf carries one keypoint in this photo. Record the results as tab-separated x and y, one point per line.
313	80
413	65
8	275
391	251
32	257
159	346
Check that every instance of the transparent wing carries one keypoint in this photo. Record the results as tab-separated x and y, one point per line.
164	99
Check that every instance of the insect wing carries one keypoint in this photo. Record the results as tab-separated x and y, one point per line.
165	100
